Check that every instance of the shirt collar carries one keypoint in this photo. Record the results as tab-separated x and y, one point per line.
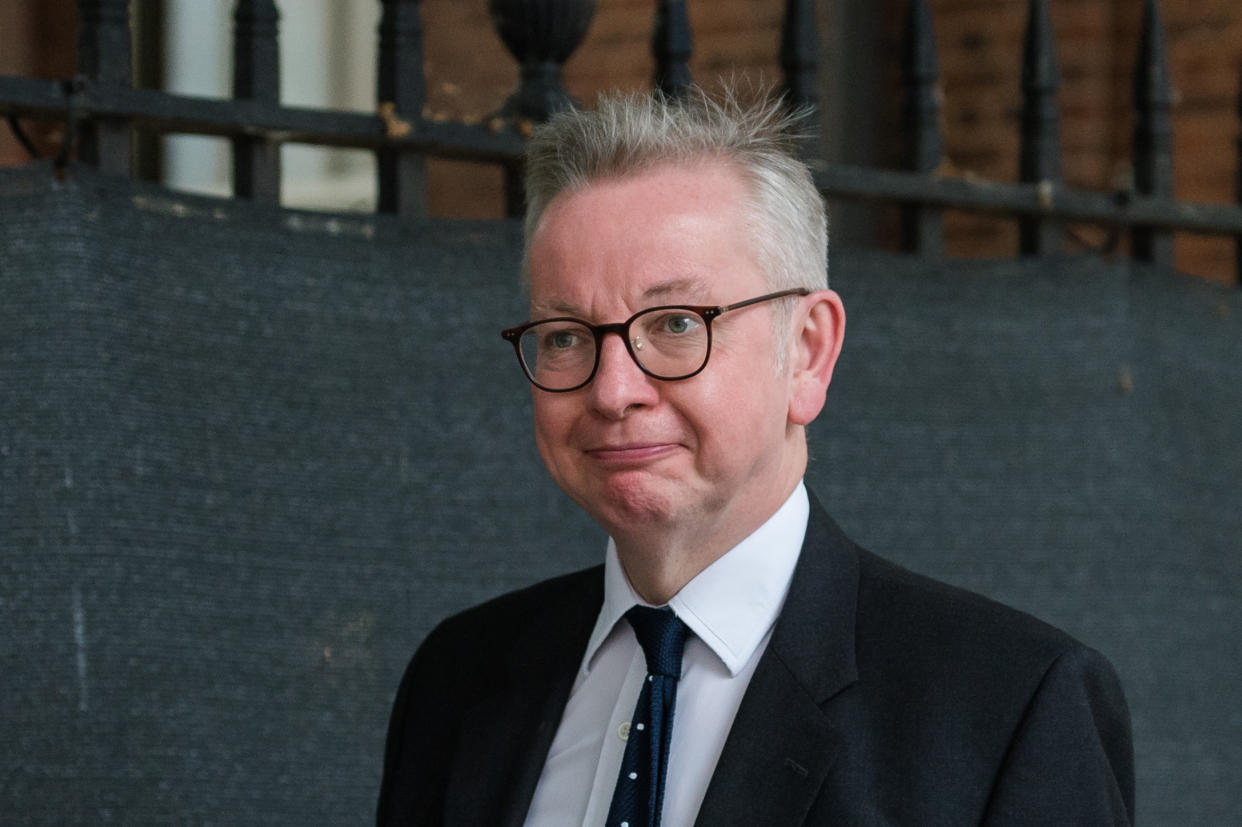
732	603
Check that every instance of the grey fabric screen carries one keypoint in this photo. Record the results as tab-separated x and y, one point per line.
248	457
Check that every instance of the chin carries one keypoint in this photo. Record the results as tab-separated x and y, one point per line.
626	503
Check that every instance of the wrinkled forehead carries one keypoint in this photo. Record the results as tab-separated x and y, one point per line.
741	200
674	233
639	296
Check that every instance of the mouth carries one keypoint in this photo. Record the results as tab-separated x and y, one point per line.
631	453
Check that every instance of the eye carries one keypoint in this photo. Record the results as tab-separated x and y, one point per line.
678	324
561	339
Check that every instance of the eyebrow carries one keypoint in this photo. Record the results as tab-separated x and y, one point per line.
694	287
655	293
555	308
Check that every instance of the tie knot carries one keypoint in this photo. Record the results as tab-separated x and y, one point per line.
663	638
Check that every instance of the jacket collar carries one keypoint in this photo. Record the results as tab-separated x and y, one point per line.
782	746
506	737
779	749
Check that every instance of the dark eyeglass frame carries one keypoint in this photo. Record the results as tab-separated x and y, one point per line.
707	313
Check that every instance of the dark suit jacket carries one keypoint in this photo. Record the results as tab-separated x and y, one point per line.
883	698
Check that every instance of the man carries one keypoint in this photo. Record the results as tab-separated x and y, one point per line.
681	338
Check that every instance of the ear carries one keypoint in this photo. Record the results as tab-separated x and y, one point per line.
818	334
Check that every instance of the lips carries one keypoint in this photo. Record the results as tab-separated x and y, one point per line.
631	453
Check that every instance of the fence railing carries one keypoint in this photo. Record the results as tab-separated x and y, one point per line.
1043	203
101	108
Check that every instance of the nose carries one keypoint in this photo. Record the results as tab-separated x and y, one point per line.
619	383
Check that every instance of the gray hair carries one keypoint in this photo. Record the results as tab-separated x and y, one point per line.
629	133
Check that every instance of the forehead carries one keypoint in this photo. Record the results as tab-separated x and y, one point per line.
672	232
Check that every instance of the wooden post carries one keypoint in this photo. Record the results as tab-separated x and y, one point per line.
1153	134
402	92
1238	239
104	59
541	35
1040	162
922	228
799	56
671	45
256	76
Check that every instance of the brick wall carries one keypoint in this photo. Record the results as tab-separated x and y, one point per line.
36	40
470	74
980	42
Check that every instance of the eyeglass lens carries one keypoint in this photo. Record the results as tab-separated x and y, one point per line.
668	343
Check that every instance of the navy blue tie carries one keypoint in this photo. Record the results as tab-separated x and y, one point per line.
639	795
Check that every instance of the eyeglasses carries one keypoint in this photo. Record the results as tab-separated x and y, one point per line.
669	342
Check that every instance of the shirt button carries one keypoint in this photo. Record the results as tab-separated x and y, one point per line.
623	731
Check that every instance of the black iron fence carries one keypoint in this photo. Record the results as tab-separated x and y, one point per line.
101	108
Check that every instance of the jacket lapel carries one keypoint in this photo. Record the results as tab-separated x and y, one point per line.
505	738
782	746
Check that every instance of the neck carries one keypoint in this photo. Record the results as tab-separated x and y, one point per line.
659	574
660	562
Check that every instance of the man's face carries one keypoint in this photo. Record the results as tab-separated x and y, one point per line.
640	454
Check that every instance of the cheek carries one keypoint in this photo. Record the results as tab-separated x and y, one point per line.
551	428
746	414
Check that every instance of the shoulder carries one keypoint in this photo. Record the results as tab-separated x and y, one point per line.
468	660
956	625
469	654
489	628
902	620
962	654
917	644
997	682
959	680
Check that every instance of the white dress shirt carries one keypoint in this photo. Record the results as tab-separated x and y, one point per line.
730	608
